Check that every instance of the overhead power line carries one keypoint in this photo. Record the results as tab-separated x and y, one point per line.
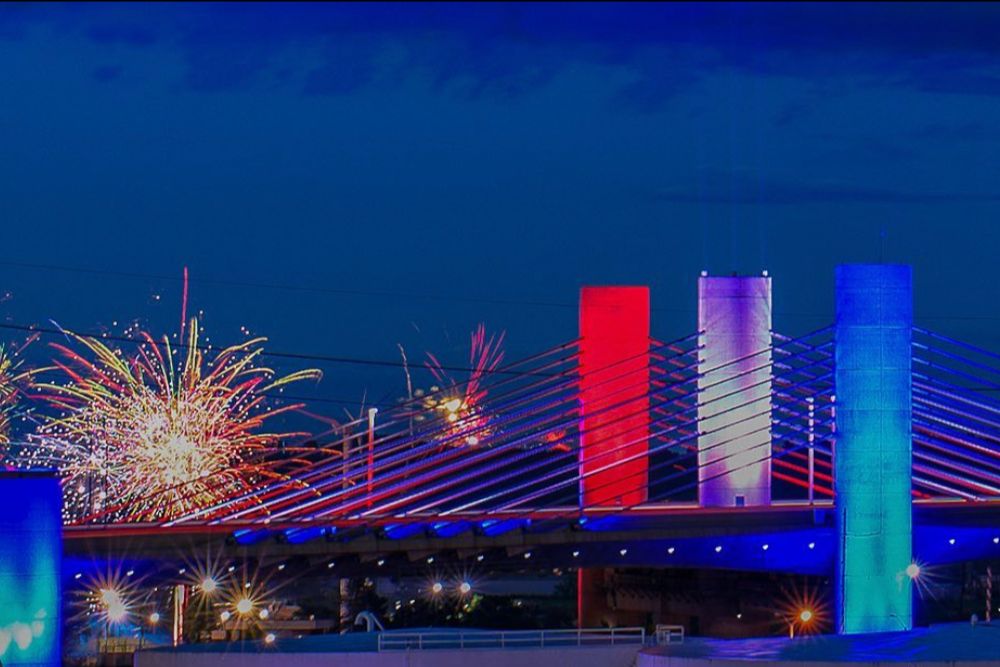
50	331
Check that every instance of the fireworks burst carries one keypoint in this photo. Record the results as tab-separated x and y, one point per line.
462	406
159	434
10	381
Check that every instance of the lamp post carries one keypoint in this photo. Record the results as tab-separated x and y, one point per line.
803	618
371	450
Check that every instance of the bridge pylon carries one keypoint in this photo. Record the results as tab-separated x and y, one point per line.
614	396
873	456
734	391
614	414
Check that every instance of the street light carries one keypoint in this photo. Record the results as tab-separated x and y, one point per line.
804	618
114	607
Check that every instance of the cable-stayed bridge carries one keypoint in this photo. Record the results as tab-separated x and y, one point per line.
734	446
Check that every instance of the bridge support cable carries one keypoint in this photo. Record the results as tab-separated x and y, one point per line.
391	448
503	445
271	517
956	425
454	432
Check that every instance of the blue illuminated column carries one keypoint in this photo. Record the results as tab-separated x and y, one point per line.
30	562
734	390
872	462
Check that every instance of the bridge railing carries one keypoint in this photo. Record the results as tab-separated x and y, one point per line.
504	639
669	634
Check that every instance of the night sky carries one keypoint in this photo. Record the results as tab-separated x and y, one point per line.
343	178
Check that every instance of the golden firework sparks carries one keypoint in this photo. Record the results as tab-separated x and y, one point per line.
162	433
11	380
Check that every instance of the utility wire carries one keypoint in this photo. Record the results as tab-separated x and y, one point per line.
50	331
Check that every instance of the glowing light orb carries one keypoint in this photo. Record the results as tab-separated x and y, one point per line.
225	616
117	611
437	587
465	588
804	611
209	585
913	570
244	605
154	618
264	613
115	608
269	638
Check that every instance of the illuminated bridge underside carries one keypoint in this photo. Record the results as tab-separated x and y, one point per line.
410	477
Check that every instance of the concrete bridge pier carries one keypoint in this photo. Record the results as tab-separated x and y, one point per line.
614	396
734	391
873	456
614	413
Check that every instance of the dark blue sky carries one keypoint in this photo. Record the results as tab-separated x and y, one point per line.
481	162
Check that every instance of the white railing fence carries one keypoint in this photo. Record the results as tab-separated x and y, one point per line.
669	634
503	639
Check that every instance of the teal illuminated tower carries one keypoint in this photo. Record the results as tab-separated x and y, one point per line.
30	561
873	457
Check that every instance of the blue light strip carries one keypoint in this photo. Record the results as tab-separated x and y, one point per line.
303	535
404	530
873	461
248	536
